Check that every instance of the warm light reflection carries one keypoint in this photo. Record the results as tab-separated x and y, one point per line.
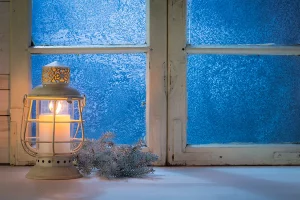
58	106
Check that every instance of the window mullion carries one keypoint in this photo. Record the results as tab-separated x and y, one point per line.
88	49
244	49
156	78
20	76
177	108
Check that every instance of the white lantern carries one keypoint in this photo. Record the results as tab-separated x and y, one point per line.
52	113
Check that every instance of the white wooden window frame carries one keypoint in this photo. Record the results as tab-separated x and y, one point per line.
179	153
156	81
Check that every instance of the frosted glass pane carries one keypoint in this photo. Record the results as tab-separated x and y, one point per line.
88	22
243	99
115	87
243	22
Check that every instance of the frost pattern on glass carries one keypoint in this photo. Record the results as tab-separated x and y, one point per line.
243	22
88	22
243	99
115	87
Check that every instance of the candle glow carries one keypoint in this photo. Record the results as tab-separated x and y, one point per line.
58	107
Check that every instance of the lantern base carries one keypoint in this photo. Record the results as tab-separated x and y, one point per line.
53	173
55	168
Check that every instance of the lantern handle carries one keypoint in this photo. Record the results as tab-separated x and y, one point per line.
84	101
28	149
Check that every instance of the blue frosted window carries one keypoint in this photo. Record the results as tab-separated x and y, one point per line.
115	88
243	21
243	99
88	22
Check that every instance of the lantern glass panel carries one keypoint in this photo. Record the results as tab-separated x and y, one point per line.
43	111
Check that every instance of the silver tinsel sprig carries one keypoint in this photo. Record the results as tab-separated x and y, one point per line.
111	160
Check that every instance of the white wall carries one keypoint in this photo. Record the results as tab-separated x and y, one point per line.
4	81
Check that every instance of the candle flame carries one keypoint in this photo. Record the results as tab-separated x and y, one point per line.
58	106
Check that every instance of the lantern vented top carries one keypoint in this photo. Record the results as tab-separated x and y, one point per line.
55	73
55	83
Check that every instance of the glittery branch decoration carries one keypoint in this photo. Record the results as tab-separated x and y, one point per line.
111	160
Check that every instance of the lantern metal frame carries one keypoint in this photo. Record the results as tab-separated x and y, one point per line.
25	140
56	165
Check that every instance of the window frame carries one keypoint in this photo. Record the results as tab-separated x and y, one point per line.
166	107
179	153
156	80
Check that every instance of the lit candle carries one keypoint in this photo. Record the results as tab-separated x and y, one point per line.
62	132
